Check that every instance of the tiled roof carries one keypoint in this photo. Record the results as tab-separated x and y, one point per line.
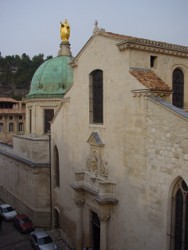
8	99
118	36
149	45
149	79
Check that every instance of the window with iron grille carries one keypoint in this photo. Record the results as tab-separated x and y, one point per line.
178	88
96	97
48	116
179	226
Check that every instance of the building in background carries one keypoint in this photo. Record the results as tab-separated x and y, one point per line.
12	119
25	180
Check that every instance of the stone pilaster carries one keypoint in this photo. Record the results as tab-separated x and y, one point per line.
103	231
79	224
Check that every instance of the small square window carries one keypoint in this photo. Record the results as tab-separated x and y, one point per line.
153	61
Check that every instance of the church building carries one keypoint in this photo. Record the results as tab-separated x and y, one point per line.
105	152
119	146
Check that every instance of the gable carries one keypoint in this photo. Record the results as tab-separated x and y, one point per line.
95	140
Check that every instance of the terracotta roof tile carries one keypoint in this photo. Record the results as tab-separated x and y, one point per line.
150	80
8	99
118	36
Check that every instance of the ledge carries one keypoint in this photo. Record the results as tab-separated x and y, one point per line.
101	199
20	159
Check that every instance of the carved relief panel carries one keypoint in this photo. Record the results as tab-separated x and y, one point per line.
95	163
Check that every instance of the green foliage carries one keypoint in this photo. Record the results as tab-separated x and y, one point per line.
16	71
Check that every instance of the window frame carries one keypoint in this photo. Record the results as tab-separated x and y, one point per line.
96	97
175	222
20	127
178	88
11	127
47	113
1	127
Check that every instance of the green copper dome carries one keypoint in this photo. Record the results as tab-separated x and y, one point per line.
52	79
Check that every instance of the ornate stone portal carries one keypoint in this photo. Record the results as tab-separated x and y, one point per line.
94	192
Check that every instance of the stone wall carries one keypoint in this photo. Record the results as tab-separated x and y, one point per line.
26	186
166	161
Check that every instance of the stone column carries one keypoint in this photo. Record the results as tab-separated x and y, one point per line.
79	224
103	231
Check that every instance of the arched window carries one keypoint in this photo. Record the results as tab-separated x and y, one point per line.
56	218
96	97
179	226
178	88
56	167
11	127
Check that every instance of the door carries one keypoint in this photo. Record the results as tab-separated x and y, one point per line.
95	231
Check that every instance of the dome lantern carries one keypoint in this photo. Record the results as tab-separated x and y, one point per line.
54	77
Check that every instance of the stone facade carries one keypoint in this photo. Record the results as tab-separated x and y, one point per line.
110	184
12	119
124	169
25	185
26	173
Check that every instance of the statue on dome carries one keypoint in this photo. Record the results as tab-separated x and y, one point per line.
65	31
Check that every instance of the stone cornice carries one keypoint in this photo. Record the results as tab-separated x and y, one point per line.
99	198
154	46
29	163
43	100
148	92
49	101
103	191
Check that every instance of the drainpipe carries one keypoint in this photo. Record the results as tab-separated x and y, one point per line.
50	165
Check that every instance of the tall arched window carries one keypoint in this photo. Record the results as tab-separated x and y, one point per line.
178	88
56	167
96	97
179	226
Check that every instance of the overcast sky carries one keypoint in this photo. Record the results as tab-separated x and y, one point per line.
32	26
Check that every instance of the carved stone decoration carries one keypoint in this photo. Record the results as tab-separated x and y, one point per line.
79	202
95	164
103	168
104	217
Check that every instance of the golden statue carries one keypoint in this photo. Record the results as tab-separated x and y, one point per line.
65	31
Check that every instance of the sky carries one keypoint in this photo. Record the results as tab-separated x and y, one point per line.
33	26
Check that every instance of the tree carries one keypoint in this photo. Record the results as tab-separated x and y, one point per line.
16	72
